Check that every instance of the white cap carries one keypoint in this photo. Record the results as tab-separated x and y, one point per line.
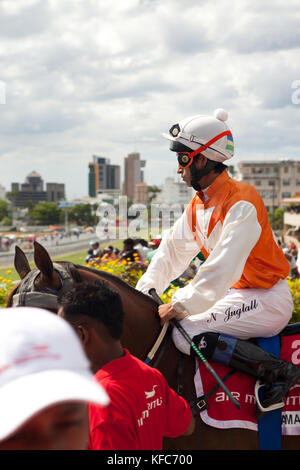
42	363
198	130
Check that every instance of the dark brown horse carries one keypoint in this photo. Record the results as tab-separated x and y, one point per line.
141	329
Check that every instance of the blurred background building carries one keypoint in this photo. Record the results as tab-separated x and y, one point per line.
275	180
103	176
32	190
133	175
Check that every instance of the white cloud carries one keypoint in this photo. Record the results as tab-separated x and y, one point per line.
91	77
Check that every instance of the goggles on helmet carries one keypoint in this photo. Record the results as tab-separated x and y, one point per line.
184	159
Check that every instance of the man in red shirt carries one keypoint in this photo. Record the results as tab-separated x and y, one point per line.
143	408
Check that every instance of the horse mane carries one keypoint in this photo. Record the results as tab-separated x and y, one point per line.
116	280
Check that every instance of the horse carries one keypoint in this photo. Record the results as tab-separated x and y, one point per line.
141	329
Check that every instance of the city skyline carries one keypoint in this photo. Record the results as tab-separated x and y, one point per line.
110	79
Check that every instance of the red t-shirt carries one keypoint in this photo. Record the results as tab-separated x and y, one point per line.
143	408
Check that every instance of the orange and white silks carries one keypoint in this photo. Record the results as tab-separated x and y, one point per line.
231	228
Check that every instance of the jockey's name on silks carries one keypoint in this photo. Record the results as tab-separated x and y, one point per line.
230	313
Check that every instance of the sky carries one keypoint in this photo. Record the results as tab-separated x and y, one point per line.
91	77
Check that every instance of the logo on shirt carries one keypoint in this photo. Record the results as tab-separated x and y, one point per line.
152	393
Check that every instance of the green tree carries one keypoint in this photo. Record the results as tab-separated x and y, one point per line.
46	213
6	221
83	214
152	192
12	196
3	209
276	218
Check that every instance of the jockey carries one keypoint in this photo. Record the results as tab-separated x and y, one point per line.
240	291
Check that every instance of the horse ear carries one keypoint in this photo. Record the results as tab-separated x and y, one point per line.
42	260
21	263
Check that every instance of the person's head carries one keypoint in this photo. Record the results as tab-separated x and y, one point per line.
94	244
143	242
156	242
96	313
128	244
45	383
202	143
297	236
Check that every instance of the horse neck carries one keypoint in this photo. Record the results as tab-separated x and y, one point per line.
141	325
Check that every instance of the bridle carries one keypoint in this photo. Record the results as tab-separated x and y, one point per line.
28	295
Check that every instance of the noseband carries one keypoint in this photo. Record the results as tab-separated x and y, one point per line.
27	295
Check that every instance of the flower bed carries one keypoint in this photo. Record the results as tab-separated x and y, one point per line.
295	291
6	285
131	272
128	271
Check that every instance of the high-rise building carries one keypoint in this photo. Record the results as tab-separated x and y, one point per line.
55	192
32	190
102	175
133	174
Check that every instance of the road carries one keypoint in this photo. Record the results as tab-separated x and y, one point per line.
54	247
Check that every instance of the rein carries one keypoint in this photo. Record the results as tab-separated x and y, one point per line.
157	343
201	402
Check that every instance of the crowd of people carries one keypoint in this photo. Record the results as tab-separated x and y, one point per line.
140	251
292	254
133	250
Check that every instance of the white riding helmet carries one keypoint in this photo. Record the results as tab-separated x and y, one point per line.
208	131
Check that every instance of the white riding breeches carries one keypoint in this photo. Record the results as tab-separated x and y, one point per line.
242	313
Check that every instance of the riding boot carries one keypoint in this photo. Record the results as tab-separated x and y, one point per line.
277	375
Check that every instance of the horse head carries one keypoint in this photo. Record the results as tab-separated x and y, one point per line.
39	286
48	277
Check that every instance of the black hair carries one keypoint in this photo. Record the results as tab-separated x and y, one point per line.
220	167
129	242
96	300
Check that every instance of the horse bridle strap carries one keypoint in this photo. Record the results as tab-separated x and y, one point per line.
27	294
35	299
